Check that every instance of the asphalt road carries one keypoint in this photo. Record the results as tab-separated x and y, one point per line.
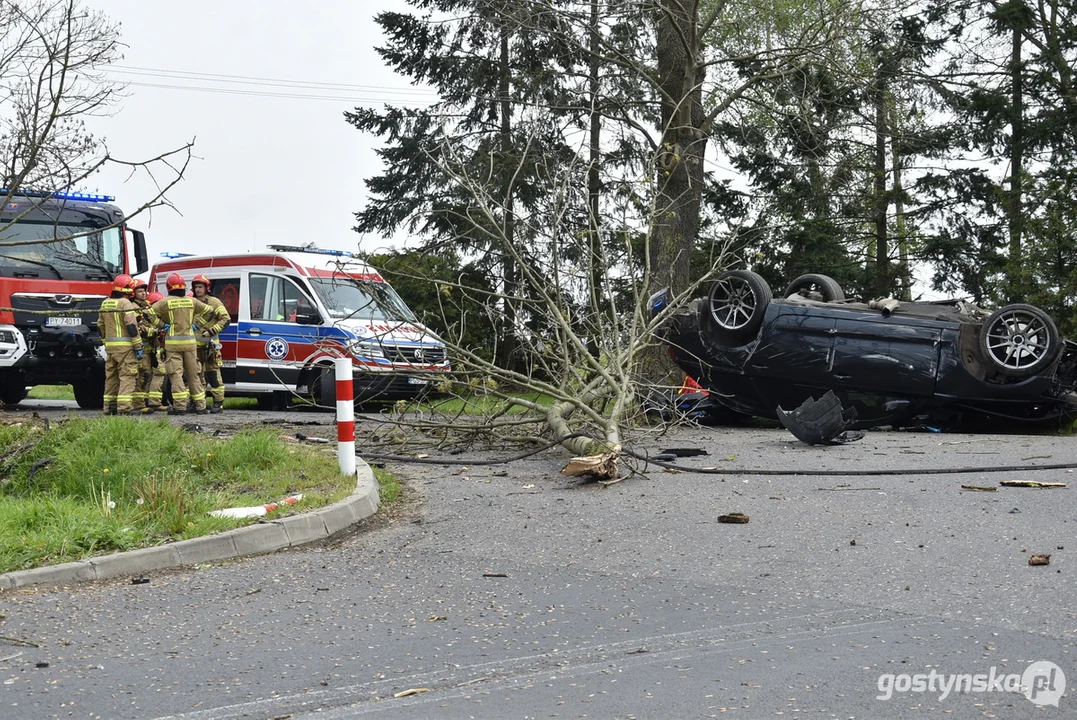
511	591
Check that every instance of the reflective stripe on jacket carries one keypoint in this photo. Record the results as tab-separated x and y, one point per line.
113	318
180	314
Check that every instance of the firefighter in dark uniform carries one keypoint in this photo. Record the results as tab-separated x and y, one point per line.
139	292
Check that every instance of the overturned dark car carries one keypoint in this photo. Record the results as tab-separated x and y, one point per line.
945	364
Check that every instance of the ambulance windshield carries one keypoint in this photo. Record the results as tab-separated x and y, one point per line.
347	297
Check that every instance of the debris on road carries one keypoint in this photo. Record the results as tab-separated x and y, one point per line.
309	438
735	518
683	452
412	691
980	488
821	421
1039	560
603	466
256	510
1031	484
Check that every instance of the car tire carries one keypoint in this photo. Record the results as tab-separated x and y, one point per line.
736	304
1020	340
824	285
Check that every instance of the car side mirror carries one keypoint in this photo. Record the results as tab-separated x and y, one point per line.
308	318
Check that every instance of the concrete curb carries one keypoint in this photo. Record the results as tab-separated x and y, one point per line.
264	537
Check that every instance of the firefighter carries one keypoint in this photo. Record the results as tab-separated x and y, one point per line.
117	321
179	315
140	402
209	346
155	390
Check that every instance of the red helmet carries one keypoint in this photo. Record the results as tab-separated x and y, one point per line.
154	297
136	284
200	278
175	281
122	283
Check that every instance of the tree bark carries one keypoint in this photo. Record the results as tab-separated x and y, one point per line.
882	202
1017	285
507	346
680	158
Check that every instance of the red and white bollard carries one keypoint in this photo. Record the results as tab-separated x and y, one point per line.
345	416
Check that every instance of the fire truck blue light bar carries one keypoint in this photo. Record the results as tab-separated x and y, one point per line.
84	197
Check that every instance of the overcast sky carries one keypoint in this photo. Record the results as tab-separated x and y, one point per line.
266	169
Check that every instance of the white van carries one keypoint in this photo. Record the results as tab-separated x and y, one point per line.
295	309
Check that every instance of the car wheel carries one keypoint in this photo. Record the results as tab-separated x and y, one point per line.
813	285
737	302
1020	340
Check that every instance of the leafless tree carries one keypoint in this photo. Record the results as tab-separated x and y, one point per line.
53	59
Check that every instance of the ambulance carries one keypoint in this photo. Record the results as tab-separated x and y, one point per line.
294	309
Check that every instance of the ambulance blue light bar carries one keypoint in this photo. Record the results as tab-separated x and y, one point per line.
173	255
84	197
316	251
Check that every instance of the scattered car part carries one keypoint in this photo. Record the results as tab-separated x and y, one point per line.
820	421
1039	560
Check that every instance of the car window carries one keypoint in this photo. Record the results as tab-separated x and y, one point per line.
277	298
227	291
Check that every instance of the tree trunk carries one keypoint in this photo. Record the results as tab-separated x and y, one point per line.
901	236
882	202
1018	288
507	346
680	159
594	182
679	163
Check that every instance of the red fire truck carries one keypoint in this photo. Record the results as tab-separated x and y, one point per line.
59	253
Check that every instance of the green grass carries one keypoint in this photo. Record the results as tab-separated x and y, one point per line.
96	486
52	392
389	487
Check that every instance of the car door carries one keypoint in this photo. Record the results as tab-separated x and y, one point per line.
272	348
891	355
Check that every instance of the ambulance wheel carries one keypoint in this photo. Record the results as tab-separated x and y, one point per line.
327	388
275	401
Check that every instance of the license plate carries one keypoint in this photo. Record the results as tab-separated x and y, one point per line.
62	321
418	381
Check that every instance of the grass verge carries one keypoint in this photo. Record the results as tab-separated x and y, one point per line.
94	486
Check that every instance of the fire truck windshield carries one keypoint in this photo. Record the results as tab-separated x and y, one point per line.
66	252
348	297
